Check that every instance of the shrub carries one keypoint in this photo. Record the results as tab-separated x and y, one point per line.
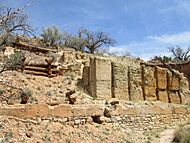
182	135
25	95
14	62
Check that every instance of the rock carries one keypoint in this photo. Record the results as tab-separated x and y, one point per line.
61	91
29	134
105	119
114	102
71	98
107	113
24	99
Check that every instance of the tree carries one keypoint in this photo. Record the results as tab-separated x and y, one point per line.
51	36
74	42
180	55
165	59
95	40
12	22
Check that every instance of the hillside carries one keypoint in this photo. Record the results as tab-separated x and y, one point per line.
77	97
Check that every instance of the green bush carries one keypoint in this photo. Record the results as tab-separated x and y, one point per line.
25	96
26	92
14	62
182	135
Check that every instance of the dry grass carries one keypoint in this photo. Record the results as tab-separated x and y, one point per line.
182	134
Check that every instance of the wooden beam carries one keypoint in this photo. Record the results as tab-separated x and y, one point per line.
43	69
39	73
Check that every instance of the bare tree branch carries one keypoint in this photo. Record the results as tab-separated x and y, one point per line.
95	40
168	67
179	54
12	22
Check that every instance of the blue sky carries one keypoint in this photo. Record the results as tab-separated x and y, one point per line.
144	28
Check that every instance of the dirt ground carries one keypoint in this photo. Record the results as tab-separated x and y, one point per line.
43	89
14	130
53	91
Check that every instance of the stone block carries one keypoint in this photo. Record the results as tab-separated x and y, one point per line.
92	72
100	78
173	82
150	93
62	110
102	69
18	111
31	110
79	110
121	110
161	76
95	110
85	75
37	110
120	90
86	78
103	90
180	110
149	83
158	109
135	83
163	96
174	97
120	81
184	90
87	110
120	71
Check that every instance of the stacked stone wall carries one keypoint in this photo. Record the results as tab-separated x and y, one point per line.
100	78
137	117
135	81
125	78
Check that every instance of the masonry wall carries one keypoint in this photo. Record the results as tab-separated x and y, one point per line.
137	117
125	78
134	81
151	117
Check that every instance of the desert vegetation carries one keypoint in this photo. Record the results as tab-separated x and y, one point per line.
178	55
14	23
72	94
182	134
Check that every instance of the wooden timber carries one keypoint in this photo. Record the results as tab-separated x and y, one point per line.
35	68
32	48
39	73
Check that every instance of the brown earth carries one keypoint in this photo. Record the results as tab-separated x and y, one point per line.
15	130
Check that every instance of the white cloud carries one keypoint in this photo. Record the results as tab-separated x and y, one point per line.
144	50
179	38
154	45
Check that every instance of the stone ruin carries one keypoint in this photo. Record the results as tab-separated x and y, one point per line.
123	78
133	80
118	81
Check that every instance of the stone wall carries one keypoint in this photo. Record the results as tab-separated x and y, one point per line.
72	63
144	117
124	78
100	78
133	80
184	68
138	117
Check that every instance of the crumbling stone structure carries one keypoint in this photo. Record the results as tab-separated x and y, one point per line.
112	78
133	80
138	117
122	78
